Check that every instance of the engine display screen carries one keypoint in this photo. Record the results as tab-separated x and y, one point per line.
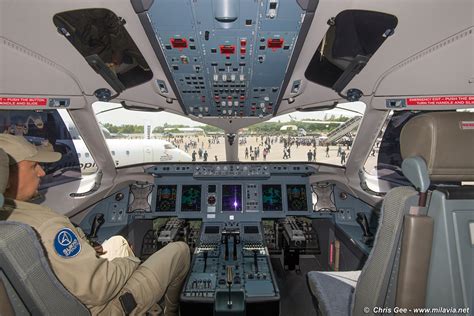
250	229
211	230
166	198
191	198
232	198
272	197
297	199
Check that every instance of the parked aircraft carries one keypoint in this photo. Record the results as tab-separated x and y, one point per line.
129	151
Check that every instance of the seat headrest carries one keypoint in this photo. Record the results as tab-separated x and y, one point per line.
445	140
415	170
4	171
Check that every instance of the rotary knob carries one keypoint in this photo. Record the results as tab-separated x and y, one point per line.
211	200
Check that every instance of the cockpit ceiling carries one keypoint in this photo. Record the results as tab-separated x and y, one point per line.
422	57
226	58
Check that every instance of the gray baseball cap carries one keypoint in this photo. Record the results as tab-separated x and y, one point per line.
19	149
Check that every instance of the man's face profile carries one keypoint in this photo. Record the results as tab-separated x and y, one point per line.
24	180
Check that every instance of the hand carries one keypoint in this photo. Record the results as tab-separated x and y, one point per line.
98	248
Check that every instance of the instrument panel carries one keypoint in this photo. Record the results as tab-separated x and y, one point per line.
223	192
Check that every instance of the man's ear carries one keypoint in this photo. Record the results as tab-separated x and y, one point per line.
11	175
7	192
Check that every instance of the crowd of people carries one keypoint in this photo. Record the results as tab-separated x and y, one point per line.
197	146
258	148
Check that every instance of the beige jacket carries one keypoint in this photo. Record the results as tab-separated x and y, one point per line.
94	281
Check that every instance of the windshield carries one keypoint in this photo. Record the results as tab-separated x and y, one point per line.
135	137
320	136
139	137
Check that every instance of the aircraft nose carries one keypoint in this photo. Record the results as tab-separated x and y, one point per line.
184	157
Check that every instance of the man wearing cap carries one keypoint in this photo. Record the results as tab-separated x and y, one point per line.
110	287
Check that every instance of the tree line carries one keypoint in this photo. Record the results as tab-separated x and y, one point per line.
260	128
138	129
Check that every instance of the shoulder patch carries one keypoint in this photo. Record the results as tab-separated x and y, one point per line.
66	243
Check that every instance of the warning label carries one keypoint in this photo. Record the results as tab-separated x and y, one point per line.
467	125
23	101
447	100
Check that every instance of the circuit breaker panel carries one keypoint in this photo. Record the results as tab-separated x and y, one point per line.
227	58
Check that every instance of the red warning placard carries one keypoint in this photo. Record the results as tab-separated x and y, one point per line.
446	100
467	125
23	101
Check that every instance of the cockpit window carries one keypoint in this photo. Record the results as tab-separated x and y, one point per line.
352	39
51	130
383	165
321	136
135	137
100	36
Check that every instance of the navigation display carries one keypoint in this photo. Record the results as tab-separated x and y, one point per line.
272	197
191	198
232	198
166	198
297	200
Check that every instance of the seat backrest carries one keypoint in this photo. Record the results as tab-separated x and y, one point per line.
28	286
445	140
377	282
4	162
25	271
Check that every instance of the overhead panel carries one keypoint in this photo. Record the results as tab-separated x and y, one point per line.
226	58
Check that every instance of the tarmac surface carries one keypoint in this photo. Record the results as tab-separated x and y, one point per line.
216	149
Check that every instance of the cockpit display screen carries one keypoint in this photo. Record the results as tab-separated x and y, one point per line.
211	230
272	198
166	198
232	198
191	198
297	200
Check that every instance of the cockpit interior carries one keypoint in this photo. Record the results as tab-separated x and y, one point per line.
314	155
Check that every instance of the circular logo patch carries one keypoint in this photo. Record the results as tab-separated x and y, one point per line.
66	243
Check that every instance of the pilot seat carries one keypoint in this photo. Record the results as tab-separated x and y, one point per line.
424	248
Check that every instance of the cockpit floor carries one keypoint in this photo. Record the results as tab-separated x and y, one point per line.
294	292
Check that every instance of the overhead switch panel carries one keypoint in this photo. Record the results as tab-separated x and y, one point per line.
233	58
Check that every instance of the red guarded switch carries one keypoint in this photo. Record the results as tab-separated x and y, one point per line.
179	43
275	43
227	49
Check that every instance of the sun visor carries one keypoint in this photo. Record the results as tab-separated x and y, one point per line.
101	38
445	140
352	39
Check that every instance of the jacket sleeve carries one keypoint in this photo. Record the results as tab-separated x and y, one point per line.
93	280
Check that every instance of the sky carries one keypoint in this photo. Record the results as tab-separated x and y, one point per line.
125	117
